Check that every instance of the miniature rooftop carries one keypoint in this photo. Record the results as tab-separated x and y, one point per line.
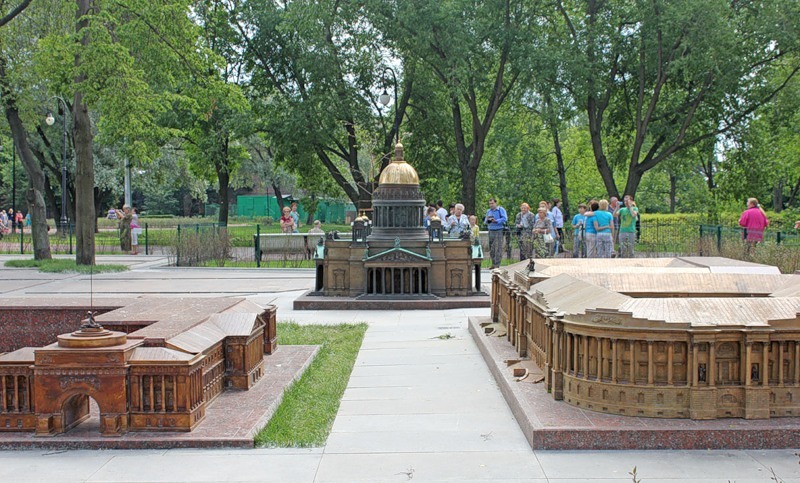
668	277
550	267
174	316
180	327
689	291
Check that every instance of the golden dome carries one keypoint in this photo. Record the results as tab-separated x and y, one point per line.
398	171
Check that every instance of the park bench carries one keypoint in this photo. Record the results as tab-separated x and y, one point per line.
286	245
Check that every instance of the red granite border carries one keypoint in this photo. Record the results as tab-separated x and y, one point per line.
232	420
555	425
310	301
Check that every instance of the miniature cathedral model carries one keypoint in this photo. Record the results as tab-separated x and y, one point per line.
398	258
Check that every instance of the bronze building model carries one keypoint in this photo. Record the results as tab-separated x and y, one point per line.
698	338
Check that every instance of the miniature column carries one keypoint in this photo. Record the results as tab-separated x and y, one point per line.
575	342
650	363
712	363
613	361
796	363
3	392
695	365
670	361
585	356
15	401
555	347
780	362
748	355
599	370
632	345
742	363
569	352
765	364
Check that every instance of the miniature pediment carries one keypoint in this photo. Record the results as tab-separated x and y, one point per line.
397	254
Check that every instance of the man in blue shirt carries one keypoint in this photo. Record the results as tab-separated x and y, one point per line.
495	220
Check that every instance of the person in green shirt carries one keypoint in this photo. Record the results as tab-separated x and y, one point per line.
627	216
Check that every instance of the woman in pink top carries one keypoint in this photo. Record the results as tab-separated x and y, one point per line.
754	221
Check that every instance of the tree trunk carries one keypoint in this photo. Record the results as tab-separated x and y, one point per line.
224	201
777	197
36	179
634	178
793	194
85	218
50	196
468	191
311	209
673	189
562	172
606	173
278	195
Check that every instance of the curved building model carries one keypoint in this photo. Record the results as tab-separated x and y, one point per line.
698	338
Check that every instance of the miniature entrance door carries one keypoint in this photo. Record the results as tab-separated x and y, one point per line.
74	411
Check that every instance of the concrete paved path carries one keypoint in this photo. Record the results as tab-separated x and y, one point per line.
420	406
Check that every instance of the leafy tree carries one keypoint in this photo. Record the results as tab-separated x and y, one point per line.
315	66
132	61
219	119
763	155
476	51
656	78
10	101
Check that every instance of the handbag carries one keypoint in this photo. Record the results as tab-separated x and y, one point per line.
548	238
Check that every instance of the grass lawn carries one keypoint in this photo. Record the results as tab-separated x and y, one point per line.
65	265
309	407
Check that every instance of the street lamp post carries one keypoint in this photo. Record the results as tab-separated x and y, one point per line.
14	174
50	120
384	99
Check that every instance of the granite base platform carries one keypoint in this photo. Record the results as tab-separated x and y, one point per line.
311	301
232	420
555	425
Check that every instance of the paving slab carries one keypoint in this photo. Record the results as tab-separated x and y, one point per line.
681	465
211	467
420	466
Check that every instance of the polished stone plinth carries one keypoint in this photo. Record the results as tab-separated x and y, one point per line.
231	421
555	425
313	301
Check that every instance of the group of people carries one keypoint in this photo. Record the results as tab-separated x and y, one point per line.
11	221
601	226
290	219
455	223
538	234
597	228
129	228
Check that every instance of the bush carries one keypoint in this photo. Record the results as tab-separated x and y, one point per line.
198	248
785	255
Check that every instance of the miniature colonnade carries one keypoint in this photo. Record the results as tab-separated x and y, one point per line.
727	354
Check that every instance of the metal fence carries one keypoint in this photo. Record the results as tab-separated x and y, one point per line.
215	244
